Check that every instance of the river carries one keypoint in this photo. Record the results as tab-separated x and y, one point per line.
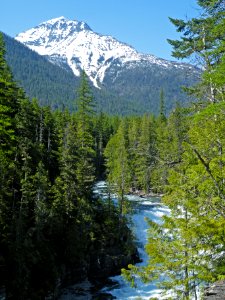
144	207
118	288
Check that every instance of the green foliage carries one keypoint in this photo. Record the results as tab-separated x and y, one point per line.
103	127
51	227
150	147
203	38
85	152
146	153
186	250
117	164
185	160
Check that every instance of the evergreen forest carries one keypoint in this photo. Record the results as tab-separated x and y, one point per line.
54	230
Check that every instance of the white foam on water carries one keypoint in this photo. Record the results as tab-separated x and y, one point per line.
154	211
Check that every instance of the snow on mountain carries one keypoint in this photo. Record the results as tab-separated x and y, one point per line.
74	44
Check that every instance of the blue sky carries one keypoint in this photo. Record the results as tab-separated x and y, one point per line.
142	24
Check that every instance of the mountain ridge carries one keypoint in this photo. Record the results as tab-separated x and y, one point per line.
121	85
74	43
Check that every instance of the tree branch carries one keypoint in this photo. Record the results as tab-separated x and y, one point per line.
208	170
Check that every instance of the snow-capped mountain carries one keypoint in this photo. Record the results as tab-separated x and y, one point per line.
75	44
124	80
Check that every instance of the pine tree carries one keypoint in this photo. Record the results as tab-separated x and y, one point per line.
203	38
10	97
160	172
85	160
162	106
9	102
146	153
66	187
133	135
117	165
102	131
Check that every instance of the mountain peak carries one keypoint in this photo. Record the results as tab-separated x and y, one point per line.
62	22
55	20
72	43
54	27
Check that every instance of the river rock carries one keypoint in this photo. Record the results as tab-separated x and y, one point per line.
108	265
216	291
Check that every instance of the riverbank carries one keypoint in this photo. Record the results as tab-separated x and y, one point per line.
143	194
101	268
116	251
86	290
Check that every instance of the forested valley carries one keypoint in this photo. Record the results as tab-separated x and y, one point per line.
54	230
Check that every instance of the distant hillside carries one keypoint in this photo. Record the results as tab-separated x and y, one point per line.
41	79
140	85
131	87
